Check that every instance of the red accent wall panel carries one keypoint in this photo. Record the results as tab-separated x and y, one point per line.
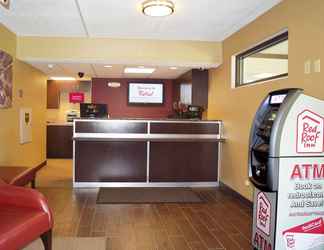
116	99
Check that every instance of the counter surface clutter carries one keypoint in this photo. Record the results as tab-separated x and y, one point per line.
146	153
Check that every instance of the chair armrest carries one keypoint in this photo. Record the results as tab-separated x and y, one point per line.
24	178
23	197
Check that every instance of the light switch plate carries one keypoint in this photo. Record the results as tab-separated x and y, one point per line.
20	93
307	67
317	66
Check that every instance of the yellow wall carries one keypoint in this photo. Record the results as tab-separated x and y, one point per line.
124	51
236	107
33	84
7	40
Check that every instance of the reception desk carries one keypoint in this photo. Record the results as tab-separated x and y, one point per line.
146	153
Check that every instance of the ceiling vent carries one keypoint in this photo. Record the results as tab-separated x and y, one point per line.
5	3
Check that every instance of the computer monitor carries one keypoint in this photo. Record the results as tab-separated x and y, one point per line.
93	110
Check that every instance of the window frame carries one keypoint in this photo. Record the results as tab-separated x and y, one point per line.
239	68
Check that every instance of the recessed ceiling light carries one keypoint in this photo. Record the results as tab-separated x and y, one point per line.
108	66
139	70
173	68
158	8
62	78
5	3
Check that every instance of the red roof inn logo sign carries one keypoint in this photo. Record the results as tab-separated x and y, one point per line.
76	97
263	213
310	136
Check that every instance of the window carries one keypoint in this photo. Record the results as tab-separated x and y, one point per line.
266	61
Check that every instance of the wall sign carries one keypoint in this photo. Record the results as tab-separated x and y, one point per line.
25	125
76	97
113	84
5	80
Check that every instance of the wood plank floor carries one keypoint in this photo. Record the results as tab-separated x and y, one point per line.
223	222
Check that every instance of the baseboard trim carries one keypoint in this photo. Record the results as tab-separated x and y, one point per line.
235	194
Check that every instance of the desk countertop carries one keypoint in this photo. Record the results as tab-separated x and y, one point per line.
59	123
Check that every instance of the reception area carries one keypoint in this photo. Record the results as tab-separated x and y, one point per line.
130	125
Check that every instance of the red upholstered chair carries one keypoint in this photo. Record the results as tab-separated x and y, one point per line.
24	216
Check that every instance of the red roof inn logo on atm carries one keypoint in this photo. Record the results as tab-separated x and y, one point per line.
263	213
310	136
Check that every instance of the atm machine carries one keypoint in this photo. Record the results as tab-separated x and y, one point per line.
286	166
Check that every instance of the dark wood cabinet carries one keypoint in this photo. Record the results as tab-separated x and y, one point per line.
54	89
59	141
183	161
199	84
200	87
110	161
53	95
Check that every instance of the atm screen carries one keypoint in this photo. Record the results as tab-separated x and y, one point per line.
277	99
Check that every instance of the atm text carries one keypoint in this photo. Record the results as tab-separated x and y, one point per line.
308	171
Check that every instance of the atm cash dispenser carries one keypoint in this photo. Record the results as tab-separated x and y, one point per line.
286	166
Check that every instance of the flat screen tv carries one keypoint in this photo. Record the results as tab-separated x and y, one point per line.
146	93
93	110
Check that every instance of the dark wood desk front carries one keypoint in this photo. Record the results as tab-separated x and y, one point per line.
146	153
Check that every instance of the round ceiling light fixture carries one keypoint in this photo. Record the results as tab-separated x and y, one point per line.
158	8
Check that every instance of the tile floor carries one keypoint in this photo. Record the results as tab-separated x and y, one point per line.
222	222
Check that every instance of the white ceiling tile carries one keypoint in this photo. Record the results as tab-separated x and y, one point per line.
193	20
74	68
55	71
43	18
207	20
116	71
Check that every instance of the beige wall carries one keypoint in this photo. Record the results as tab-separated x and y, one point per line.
33	84
236	107
123	51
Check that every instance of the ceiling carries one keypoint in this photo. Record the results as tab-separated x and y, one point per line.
98	70
203	20
194	20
